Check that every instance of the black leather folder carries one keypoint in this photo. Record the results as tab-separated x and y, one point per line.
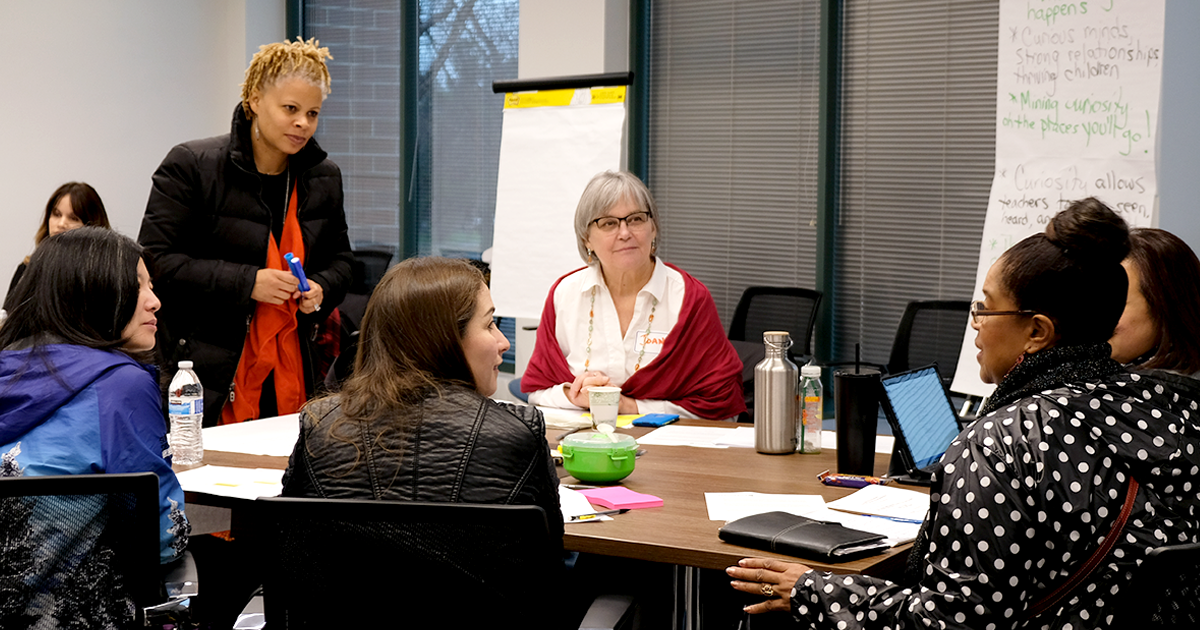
793	535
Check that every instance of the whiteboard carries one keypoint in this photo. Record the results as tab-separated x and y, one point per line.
1077	112
552	143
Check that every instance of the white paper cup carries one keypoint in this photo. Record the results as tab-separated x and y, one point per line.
604	402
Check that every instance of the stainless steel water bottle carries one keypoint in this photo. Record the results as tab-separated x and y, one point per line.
775	405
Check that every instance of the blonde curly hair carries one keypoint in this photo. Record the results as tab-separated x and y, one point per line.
284	60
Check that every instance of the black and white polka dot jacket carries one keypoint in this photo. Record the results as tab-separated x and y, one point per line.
1027	492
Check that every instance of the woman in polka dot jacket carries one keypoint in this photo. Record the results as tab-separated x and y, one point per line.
1026	493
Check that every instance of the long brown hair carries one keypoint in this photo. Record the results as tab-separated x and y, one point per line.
410	342
1170	283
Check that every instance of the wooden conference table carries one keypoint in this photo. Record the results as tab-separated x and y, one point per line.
679	532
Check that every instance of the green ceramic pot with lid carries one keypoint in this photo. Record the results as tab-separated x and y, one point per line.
599	457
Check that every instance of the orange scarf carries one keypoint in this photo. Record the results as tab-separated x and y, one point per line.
272	343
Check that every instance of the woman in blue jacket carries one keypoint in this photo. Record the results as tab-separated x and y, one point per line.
77	397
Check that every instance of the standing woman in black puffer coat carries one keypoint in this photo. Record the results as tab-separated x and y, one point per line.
222	214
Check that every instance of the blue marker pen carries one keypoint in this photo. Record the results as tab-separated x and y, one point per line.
298	271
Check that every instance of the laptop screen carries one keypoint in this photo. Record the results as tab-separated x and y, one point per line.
924	412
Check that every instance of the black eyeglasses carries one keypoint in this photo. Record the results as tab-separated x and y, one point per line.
634	220
977	312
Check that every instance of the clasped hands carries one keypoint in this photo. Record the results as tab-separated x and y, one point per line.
273	286
773	579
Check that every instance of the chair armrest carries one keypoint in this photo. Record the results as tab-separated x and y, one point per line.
180	577
609	612
251	617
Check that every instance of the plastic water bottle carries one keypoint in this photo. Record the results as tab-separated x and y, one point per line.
808	431
775	409
185	403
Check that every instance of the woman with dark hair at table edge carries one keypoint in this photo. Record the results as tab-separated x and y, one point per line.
78	397
1023	496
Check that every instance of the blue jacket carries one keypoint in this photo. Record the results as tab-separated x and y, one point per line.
95	411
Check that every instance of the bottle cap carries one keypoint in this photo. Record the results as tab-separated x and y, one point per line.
185	365
813	371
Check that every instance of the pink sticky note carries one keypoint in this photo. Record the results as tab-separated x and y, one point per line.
621	498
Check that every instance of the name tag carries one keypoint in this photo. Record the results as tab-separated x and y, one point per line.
653	342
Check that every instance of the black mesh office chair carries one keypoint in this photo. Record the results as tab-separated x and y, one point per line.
367	269
777	308
337	563
930	331
103	531
771	308
1166	590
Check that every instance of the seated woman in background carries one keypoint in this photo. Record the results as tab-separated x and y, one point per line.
630	320
1023	495
414	421
73	205
1158	330
76	395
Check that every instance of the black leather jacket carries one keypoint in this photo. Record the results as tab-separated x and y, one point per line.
463	448
206	231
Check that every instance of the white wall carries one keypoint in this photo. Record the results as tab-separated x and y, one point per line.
100	91
1179	135
569	37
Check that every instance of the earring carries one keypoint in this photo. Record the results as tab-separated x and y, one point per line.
257	135
589	256
653	246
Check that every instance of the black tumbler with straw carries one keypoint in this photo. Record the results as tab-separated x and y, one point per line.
856	396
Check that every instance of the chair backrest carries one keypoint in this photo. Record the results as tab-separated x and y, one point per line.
1166	590
777	308
84	542
341	563
930	331
367	269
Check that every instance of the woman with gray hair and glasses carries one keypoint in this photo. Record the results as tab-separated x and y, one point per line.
630	320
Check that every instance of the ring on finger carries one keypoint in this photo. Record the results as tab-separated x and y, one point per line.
767	590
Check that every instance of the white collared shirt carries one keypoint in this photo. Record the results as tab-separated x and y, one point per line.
613	353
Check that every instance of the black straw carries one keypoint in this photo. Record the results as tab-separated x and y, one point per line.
857	356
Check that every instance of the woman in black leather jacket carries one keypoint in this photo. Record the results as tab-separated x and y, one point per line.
222	213
414	422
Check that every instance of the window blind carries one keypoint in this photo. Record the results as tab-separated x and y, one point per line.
732	144
917	151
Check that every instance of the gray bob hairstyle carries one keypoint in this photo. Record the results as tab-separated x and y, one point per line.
606	190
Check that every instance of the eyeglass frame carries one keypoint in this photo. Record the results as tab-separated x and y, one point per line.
620	220
977	313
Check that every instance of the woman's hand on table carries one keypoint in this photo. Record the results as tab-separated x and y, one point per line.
773	579
577	391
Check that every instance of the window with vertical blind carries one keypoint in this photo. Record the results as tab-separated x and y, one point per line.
732	143
463	45
917	151
360	121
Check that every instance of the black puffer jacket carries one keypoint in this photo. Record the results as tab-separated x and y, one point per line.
206	232
463	448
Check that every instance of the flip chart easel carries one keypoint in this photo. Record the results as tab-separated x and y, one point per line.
557	134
